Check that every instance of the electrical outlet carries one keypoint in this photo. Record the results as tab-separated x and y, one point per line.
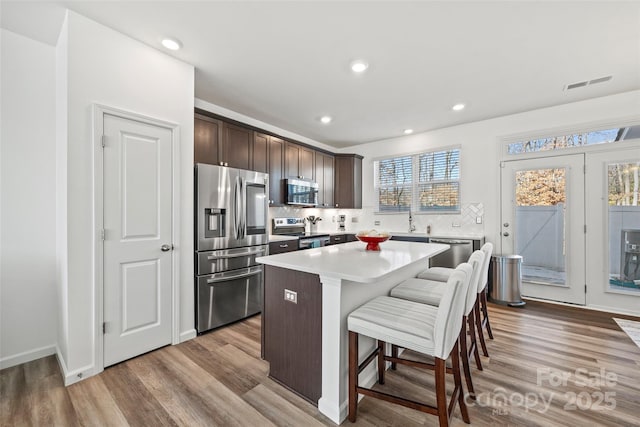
376	222
354	219
290	296
478	220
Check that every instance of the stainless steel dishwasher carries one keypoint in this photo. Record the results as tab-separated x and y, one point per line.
460	250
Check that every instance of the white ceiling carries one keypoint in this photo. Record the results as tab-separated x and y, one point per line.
287	63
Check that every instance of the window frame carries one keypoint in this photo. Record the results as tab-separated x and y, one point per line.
415	185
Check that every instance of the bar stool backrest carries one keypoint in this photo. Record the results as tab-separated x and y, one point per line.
477	264
487	248
452	305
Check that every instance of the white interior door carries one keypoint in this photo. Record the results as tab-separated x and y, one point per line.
137	245
613	238
543	220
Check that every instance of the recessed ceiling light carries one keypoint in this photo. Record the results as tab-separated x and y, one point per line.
408	131
325	119
171	44
458	107
359	66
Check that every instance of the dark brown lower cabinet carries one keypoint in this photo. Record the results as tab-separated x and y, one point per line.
292	332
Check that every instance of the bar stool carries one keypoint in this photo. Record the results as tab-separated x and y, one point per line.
442	273
482	300
430	330
431	292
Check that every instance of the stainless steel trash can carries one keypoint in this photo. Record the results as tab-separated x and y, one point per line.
506	279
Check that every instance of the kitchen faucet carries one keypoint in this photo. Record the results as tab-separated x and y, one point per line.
412	227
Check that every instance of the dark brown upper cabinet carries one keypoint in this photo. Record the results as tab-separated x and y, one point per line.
298	161
207	136
260	158
236	146
324	176
275	165
348	184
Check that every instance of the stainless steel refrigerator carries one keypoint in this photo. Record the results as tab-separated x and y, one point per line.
231	209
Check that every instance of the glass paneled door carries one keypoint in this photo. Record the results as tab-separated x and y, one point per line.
543	220
613	241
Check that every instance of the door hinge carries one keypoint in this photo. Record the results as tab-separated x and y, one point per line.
585	228
103	141
584	169
104	327
102	234
585	288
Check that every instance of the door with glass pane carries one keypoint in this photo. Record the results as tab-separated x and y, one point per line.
613	241
543	221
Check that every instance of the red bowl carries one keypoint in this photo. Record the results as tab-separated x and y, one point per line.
373	242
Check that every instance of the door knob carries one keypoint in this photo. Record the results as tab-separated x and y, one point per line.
165	248
505	234
506	224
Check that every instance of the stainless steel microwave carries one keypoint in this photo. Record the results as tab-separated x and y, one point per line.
301	192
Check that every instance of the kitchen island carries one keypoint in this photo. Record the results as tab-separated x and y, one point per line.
307	298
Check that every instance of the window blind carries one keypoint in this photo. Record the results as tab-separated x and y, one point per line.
425	182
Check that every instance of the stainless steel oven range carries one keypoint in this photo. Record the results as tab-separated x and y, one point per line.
231	231
296	227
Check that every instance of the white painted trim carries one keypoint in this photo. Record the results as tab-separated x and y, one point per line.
188	335
27	356
611	310
98	247
504	141
98	223
175	234
71	377
571	129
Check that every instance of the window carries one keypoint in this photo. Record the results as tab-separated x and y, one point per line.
603	136
426	182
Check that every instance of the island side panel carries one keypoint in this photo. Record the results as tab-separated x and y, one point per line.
292	332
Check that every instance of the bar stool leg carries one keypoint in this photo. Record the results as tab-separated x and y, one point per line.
381	362
394	353
455	362
353	376
464	351
441	392
474	342
476	310
485	312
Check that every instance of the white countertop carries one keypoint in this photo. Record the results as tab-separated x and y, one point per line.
350	261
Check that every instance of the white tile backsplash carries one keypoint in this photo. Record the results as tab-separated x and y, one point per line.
364	219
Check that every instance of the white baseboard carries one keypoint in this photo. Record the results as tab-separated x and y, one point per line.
187	335
27	356
76	375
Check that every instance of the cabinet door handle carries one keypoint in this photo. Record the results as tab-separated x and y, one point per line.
337	239
284	246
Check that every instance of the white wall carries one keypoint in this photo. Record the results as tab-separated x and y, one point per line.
111	69
28	312
481	154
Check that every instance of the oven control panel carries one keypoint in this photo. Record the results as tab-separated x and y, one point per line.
288	222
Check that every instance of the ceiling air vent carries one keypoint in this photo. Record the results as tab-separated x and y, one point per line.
588	82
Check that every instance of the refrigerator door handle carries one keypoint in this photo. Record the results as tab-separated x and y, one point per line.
237	209
225	277
244	208
219	255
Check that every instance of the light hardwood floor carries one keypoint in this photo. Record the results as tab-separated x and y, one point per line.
218	379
